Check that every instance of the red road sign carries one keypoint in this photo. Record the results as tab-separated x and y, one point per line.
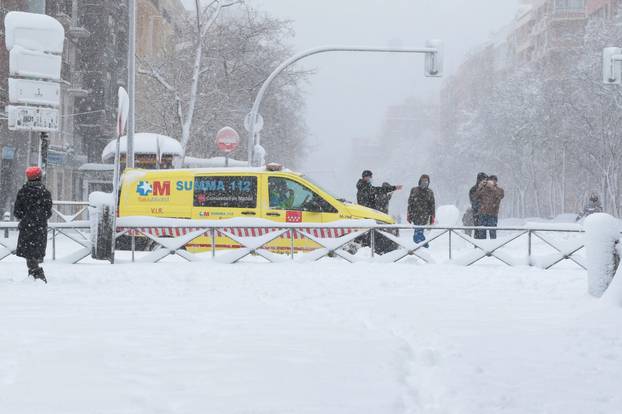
227	139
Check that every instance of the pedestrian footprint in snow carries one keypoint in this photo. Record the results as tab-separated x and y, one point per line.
33	208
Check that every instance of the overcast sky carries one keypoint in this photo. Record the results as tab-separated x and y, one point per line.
348	97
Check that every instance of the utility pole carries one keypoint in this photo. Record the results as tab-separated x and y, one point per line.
131	83
564	180
43	154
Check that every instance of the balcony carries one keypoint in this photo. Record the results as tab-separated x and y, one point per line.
77	89
569	13
63	18
77	33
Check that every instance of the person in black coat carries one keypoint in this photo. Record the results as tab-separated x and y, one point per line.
421	208
367	195
475	205
33	208
374	197
383	200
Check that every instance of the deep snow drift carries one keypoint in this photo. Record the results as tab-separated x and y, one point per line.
328	337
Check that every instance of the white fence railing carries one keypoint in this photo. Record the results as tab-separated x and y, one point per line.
168	239
69	211
63	211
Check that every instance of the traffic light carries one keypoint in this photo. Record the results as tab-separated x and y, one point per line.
434	60
612	65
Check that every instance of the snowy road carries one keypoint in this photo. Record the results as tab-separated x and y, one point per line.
323	338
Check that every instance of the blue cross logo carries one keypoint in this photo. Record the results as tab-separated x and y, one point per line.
144	188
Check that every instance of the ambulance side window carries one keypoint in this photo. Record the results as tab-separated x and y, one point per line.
232	192
286	194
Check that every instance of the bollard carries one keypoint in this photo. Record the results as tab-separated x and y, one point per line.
6	218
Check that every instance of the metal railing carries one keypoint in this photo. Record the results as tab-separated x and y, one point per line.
69	211
331	241
76	231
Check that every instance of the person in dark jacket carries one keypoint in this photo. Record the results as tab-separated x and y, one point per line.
489	196
367	194
468	221
421	207
475	204
33	208
593	206
383	199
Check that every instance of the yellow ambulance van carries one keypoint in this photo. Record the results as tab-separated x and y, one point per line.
269	193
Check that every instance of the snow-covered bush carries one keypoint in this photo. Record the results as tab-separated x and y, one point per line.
602	235
101	219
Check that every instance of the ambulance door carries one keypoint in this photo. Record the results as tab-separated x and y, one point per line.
290	201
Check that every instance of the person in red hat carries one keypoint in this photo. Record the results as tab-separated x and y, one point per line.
33	208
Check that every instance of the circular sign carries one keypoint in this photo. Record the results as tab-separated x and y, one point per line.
258	123
227	139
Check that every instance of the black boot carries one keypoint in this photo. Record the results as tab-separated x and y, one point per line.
38	274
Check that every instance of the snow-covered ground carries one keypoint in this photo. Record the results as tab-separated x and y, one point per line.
327	337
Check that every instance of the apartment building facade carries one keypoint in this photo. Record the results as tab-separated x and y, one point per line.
94	66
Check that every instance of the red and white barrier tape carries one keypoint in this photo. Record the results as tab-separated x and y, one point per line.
329	233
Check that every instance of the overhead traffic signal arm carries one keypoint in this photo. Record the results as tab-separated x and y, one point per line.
433	68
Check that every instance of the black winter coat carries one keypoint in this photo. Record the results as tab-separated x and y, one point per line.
421	206
33	208
382	202
474	201
367	194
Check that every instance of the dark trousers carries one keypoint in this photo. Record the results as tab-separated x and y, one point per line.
477	222
419	236
488	221
33	266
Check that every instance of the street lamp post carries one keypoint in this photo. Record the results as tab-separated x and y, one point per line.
433	68
131	83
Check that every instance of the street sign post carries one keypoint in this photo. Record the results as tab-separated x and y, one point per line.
56	157
34	31
227	141
123	108
26	91
32	118
35	44
248	122
34	64
8	153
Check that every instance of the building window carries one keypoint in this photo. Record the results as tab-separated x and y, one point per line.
570	5
35	6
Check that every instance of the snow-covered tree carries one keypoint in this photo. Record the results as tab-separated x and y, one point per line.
549	129
191	97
